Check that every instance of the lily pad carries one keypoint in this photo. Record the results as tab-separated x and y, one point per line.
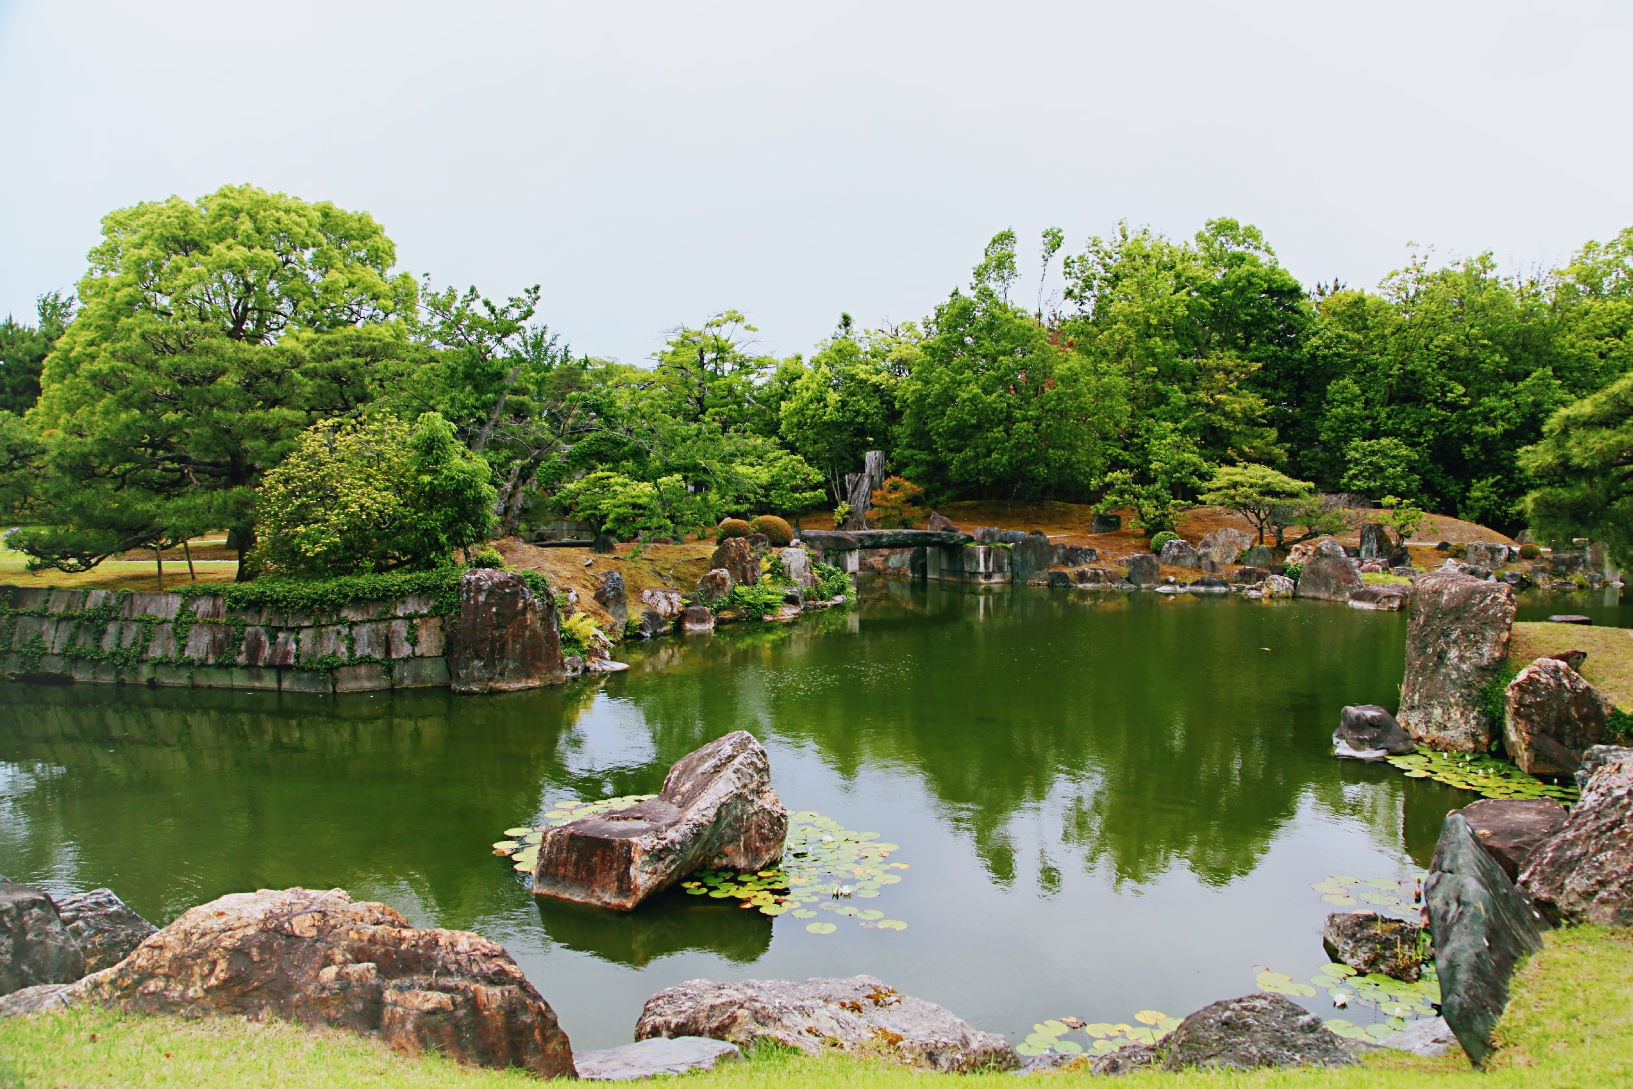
1150	1017
821	928
1100	1028
1052	1027
1339	899
871	914
517	833
803	913
891	924
506	846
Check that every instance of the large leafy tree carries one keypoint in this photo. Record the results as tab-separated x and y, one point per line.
844	404
1583	471
210	334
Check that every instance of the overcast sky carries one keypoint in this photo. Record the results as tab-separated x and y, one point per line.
651	163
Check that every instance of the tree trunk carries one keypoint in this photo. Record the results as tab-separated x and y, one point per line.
158	562
192	575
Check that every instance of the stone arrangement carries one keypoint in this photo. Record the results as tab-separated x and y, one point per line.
1456	643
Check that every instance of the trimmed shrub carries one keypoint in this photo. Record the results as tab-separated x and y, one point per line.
1529	551
1160	539
487	557
776	530
732	527
897	504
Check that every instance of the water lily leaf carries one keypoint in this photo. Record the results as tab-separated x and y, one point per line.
1167	1025
1068	1047
720	894
1141	1035
1107	1045
1052	1027
870	914
697	892
1150	1017
505	846
533	837
1342	970
889	879
847	910
1028	1049
868	894
803	913
821	928
1339	900
892	924
772	909
517	833
1378	1032
523	867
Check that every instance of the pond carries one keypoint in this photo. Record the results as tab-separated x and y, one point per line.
1104	804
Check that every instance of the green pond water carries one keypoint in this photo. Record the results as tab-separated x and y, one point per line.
1105	804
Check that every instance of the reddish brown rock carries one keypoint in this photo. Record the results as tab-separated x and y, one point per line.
1585	872
326	959
1328	578
716	811
736	556
1552	715
1511	829
697	620
1456	642
505	637
714	586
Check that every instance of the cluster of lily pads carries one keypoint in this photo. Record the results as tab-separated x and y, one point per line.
1400	1002
1482	773
824	866
522	844
1383	894
1103	1036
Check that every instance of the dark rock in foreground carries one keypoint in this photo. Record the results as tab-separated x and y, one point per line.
1143	569
855	1014
716	811
1585	872
1552	715
1369	942
35	946
1368	732
1511	829
1456	642
106	930
657	1056
505	637
323	958
1482	926
1252	1031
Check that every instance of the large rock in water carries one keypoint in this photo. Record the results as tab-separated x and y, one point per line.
105	929
1028	556
35	946
505	637
1368	732
736	556
1551	716
1143	569
855	1014
1511	829
1456	642
716	811
1223	545
1369	942
1585	872
1482	926
1328	578
1251	1031
325	959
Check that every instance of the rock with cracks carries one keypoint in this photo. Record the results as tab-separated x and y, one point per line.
324	959
1511	829
715	585
105	928
35	946
1456	642
1482	926
716	811
1369	942
1584	873
1328	578
1252	1031
735	555
1224	545
859	1014
654	1057
1551	717
1368	732
505	637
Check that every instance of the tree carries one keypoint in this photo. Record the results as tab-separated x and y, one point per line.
373	494
1582	471
841	406
1256	492
210	334
23	349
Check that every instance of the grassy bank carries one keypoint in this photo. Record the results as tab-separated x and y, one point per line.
1570	1024
1609	664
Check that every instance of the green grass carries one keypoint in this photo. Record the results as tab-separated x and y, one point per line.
1384	578
1568	1026
1609	665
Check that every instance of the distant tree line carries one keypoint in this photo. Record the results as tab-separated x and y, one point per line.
214	342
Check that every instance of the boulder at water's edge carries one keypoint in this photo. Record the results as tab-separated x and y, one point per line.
105	928
1511	829
1328	578
35	946
1552	715
1368	732
1584	872
1252	1031
505	637
1456	642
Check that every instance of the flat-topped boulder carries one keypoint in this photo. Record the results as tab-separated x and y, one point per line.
717	810
1370	942
855	1014
1511	829
851	539
652	1058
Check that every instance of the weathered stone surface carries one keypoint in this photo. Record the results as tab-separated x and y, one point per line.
1257	556
1570	618
324	958
696	620
1143	569
1597	757
105	929
985	561
1028	557
859	1013
35	946
1375	542
1584	873
715	585
652	624
1429	1038
1551	716
652	1057
1126	1060
1251	1031
1368	732
1178	553
1486	554
1482	926
1279	586
940	523
1105	523
41	998
1511	829
1456	642
505	637
797	563
610	595
1328	578
1209	584
1305	549
1223	545
736	556
717	810
1387	599
1369	942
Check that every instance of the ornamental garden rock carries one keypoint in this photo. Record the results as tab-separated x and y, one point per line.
1369	942
1368	732
736	556
1178	553
1253	1031
715	585
35	947
103	926
1552	716
1584	873
1223	545
505	637
1511	829
1456	642
1326	577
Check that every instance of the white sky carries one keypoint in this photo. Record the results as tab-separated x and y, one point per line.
651	163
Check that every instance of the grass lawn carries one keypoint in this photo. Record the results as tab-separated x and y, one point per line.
1609	664
1569	1024
124	574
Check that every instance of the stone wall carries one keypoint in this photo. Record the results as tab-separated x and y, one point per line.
111	636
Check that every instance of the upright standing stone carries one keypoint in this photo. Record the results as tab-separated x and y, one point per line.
1552	715
1584	873
1328	578
1028	557
1456	642
1257	556
1106	523
35	946
736	556
797	563
505	637
1143	569
1375	542
715	586
612	598
1223	545
1485	554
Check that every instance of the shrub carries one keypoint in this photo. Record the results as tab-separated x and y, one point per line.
757	602
1457	551
830	581
577	633
1160	539
842	514
621	506
487	556
1294	570
897	504
777	531
1529	551
732	527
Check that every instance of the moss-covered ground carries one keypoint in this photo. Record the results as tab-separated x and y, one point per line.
1609	664
1569	1024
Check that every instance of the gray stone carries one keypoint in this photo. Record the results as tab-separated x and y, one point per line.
364	677
1143	569
1456	642
1375	542
1385	599
1279	586
1126	1059
1485	554
106	930
1369	942
797	563
1368	732
1223	545
42	998
715	585
1028	557
1584	873
1429	1038
1208	584
652	624
1011	536
611	596
717	810
1511	829
1106	523
697	620
1257	556
1551	717
1597	757
35	946
1326	577
1177	553
1253	1031
652	1057
1482	927
1077	555
940	523
855	1014
1570	618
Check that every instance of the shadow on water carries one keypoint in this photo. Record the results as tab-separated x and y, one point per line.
669	923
